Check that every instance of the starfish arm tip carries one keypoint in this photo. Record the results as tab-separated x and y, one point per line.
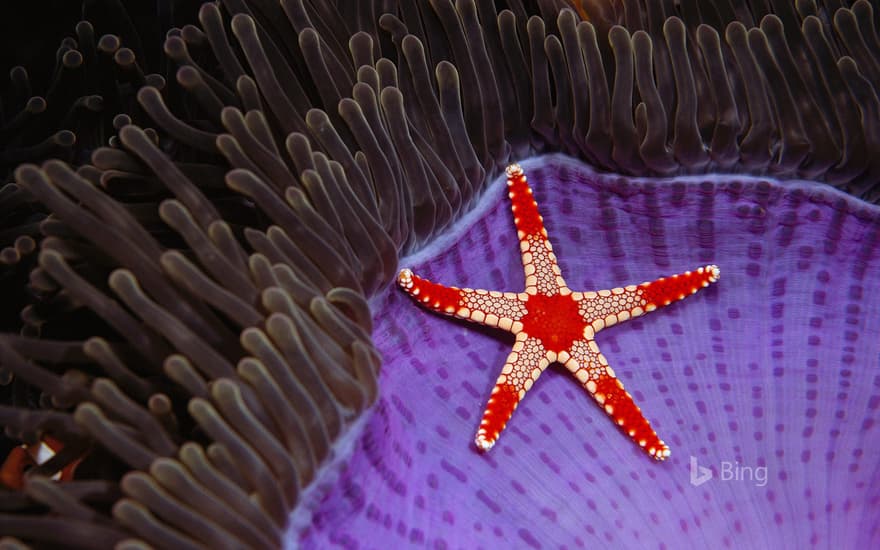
714	273
660	454
514	170
483	444
404	278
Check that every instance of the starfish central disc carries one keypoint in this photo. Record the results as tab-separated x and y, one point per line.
554	320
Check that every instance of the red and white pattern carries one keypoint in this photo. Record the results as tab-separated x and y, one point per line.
552	323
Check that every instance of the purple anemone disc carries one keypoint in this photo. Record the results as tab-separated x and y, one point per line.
769	379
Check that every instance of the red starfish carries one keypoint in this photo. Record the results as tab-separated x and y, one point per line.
552	323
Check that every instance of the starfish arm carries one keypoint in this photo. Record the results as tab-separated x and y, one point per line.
495	309
543	275
523	367
591	369
608	307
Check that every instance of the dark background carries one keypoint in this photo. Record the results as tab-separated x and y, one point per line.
31	30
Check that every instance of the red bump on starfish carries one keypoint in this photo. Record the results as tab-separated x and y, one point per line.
554	324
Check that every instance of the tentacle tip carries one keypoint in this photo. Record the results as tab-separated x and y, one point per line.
514	171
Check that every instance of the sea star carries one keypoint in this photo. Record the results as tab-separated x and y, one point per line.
552	323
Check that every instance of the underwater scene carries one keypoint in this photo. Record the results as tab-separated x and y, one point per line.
472	274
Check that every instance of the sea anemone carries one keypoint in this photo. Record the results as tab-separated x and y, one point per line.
211	332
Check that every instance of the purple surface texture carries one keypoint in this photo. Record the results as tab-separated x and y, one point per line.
770	380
